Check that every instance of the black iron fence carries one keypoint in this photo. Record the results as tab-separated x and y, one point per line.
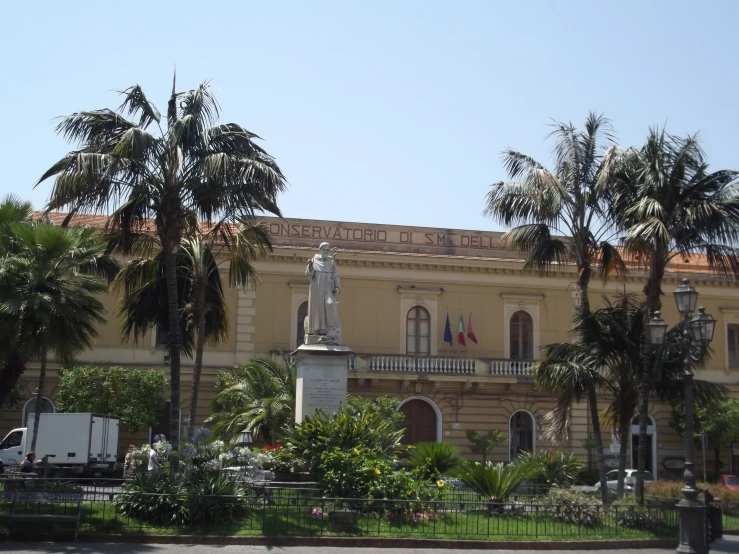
295	512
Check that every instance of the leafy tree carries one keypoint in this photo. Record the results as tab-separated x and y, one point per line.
718	419
384	406
135	396
566	201
47	294
259	397
168	173
671	206
483	443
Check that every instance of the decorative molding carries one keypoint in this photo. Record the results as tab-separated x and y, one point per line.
245	312
505	267
526	297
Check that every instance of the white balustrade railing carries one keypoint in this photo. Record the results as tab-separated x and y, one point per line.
419	364
511	368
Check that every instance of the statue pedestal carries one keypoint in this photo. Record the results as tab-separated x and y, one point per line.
322	373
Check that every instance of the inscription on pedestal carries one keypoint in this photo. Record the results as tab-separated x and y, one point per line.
321	379
322	392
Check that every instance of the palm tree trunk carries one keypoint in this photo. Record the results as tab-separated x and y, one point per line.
583	283
197	368
593	403
624	435
653	291
39	399
716	461
175	342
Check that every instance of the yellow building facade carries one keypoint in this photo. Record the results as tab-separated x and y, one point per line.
399	285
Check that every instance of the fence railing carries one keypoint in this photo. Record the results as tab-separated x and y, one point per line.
294	514
422	364
511	368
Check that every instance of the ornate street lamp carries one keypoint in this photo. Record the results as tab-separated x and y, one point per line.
696	336
245	438
686	298
656	329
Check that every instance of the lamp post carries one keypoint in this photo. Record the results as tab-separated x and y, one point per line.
245	438
697	334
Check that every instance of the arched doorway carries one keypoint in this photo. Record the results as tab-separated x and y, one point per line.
521	437
651	460
421	422
47	407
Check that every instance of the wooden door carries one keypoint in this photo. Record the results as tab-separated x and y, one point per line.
419	423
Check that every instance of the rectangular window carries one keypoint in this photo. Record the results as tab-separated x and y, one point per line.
161	337
732	338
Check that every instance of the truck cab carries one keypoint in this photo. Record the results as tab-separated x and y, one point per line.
12	448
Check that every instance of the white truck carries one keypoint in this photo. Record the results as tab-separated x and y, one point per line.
75	443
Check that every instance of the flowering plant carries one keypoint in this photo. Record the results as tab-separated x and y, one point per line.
277	458
162	447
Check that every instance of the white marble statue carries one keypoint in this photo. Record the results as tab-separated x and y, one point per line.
322	324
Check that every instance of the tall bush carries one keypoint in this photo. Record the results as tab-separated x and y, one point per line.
136	396
346	430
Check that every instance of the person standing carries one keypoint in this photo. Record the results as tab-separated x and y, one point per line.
154	464
27	464
128	466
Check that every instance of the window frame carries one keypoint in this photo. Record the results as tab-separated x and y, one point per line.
520	318
418	310
732	327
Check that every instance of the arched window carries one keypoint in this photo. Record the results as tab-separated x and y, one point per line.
302	314
521	433
651	458
417	326
29	408
522	336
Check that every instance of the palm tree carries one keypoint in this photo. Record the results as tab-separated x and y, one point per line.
572	372
569	201
167	177
607	353
249	243
12	211
262	400
203	310
47	295
671	206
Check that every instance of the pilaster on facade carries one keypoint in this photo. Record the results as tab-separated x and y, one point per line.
245	325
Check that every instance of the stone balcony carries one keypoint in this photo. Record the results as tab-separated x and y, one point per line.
440	365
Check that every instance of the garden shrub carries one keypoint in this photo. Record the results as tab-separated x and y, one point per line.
628	513
154	498
346	430
177	501
495	482
431	460
588	477
552	468
573	507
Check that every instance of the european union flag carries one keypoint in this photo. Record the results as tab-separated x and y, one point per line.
448	332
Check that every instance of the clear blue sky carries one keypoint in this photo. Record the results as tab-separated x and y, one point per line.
396	111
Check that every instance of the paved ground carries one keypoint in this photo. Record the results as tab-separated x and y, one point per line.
730	545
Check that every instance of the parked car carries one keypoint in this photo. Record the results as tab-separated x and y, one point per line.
629	480
730	481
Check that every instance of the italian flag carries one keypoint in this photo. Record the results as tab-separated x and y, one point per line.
460	333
